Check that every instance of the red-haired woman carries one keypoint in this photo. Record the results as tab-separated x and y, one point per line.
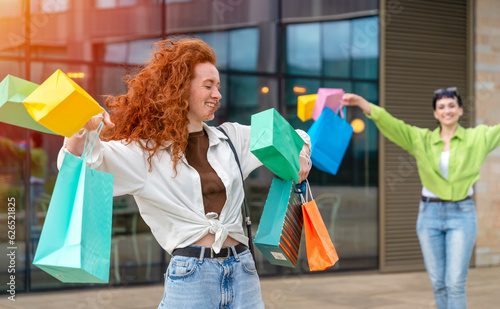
183	175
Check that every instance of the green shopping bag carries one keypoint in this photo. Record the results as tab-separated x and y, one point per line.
75	243
13	90
276	144
280	227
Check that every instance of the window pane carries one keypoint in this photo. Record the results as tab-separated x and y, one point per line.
13	182
219	42
345	85
315	8
140	51
368	90
11	8
364	49
243	49
336	48
303	52
109	81
52	6
15	68
249	95
12	28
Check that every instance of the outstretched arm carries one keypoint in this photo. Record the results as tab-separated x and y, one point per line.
351	99
396	130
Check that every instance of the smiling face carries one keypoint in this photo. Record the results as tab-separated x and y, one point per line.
204	95
448	111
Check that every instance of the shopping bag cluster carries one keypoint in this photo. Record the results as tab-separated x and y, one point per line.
57	106
330	134
287	212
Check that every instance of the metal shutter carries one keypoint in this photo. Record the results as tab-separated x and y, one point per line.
425	45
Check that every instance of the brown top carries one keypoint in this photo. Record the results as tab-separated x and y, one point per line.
213	190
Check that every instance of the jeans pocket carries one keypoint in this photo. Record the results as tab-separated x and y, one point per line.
248	263
422	206
181	267
466	206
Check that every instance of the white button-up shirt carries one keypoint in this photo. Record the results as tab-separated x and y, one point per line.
172	205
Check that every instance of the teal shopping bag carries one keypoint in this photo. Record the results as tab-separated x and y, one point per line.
276	144
330	136
13	91
280	227
75	243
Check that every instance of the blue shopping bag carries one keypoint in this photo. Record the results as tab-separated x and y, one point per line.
75	242
330	136
280	227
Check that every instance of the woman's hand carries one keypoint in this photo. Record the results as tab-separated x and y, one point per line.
93	123
76	143
305	162
351	99
304	168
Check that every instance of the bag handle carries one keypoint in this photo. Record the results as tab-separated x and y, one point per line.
90	143
248	222
302	189
342	111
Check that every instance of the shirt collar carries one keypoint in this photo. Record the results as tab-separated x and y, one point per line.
214	135
436	134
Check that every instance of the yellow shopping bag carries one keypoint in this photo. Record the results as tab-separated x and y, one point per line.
61	105
305	106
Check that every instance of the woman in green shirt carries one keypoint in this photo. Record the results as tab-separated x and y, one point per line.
448	159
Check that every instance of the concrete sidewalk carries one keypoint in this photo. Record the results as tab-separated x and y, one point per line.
342	291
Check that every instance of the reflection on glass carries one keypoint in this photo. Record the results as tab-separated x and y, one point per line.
303	52
12	195
10	8
133	52
243	49
365	48
15	68
368	90
341	49
49	6
336	39
106	4
243	98
358	125
108	81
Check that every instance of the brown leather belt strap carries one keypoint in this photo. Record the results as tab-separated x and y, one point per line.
437	200
209	253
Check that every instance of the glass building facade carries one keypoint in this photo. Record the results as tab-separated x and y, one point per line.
268	53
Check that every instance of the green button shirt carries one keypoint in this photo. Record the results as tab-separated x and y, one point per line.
468	150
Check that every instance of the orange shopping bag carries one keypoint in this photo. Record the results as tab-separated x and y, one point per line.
321	253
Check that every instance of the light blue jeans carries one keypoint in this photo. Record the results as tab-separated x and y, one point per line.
447	232
212	283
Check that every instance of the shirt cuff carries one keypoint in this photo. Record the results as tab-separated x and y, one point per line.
375	111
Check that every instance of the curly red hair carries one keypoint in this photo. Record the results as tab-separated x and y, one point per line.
155	108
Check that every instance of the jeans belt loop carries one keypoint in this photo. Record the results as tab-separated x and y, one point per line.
202	255
236	255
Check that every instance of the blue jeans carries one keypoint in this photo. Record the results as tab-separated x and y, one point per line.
212	283
447	232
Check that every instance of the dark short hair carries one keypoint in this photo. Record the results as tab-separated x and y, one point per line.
450	92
